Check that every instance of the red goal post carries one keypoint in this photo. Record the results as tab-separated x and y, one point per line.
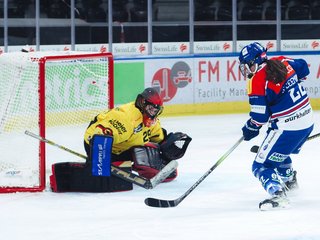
43	92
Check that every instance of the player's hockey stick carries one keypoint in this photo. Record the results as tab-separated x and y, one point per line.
154	202
255	148
125	175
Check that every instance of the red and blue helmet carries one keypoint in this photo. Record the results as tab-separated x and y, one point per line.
251	57
150	104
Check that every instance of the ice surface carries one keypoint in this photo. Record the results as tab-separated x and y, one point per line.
223	206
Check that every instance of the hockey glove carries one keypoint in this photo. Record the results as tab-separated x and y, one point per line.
250	130
174	146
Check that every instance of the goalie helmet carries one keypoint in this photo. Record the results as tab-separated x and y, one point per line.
174	146
251	57
150	105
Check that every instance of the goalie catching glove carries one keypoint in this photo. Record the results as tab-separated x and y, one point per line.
174	146
151	158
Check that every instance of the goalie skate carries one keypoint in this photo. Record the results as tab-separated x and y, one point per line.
279	200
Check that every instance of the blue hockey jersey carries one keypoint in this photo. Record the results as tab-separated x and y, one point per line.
284	105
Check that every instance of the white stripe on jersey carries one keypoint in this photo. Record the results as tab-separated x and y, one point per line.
290	111
258	109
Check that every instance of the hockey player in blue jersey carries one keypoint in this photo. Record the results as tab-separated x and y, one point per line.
278	99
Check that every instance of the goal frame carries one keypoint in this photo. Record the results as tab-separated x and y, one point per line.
42	110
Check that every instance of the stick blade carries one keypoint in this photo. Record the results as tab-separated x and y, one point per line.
254	149
154	202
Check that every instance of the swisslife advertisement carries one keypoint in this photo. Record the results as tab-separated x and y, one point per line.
208	84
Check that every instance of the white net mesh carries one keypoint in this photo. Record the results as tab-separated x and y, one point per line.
76	89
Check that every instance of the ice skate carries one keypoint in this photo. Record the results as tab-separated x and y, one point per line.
279	200
293	183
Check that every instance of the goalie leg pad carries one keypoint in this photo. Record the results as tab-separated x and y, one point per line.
77	177
101	148
147	162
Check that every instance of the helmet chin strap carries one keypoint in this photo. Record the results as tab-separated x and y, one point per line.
147	121
250	75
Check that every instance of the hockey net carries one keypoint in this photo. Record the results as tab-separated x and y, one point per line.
49	94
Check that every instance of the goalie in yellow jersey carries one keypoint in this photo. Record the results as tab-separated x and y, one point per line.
135	125
132	124
138	142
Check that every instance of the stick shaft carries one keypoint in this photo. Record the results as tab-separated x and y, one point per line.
55	144
154	202
221	159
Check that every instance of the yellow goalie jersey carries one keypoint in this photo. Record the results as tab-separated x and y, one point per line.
125	124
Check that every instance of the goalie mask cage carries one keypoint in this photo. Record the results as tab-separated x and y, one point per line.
39	90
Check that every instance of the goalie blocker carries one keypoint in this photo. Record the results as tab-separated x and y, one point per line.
94	175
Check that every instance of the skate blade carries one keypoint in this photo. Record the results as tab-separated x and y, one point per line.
272	206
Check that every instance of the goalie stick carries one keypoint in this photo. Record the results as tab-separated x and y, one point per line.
125	175
255	148
154	202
